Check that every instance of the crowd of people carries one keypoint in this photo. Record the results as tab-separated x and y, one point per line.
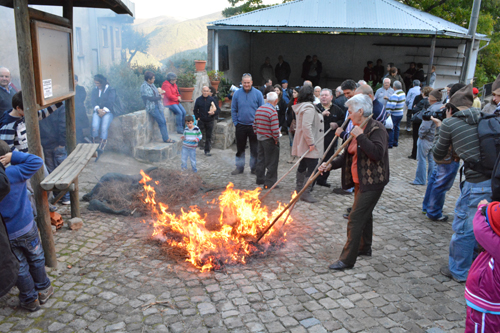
449	125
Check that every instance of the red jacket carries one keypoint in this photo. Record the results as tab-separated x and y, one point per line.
171	95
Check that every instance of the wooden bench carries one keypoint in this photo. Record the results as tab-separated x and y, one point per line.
64	176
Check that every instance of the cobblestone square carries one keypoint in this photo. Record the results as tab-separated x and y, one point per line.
113	278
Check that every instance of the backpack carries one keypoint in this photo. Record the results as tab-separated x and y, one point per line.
495	181
488	132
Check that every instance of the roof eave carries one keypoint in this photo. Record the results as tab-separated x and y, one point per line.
115	5
354	30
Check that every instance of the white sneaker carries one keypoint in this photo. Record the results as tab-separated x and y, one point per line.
66	202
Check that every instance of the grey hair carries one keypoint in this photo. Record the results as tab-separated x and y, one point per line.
361	82
397	85
339	90
387	79
361	101
317	87
329	91
246	75
272	96
171	76
416	83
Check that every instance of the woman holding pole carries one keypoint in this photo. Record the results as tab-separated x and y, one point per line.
365	165
309	129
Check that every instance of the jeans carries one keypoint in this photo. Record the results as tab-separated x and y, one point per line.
396	120
206	128
268	157
290	136
424	153
101	123
440	182
244	132
180	115
360	225
191	153
32	276
53	158
390	141
463	242
159	117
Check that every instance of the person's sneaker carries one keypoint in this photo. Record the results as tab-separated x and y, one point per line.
424	212
443	218
32	307
208	154
412	158
236	171
66	202
44	295
52	208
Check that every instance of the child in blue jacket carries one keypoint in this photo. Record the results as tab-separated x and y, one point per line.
33	283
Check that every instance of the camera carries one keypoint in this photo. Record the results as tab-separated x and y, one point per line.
440	114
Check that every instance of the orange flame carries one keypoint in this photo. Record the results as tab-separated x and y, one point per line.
242	219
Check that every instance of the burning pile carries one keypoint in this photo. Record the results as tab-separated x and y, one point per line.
224	234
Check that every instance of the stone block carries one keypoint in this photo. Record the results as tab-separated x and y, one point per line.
75	223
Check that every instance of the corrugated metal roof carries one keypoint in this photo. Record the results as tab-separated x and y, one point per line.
369	16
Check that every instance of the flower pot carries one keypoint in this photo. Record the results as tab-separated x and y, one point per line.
186	94
215	84
200	65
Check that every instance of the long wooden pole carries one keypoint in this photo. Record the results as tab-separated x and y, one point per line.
310	181
293	166
71	120
26	69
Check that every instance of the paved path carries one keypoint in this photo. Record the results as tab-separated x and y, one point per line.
117	273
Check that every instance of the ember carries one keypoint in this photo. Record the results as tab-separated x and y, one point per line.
239	218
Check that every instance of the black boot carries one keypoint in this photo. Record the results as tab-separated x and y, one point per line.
100	150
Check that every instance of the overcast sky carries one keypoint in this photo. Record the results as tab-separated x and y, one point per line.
183	8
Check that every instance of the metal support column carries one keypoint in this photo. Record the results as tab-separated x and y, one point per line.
431	59
216	50
470	43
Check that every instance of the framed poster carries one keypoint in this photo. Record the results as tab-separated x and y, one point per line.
53	62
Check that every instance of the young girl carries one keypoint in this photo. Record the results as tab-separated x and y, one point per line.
482	289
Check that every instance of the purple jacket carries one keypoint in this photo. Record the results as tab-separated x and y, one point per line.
482	289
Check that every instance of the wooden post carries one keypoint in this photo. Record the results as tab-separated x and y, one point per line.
26	69
71	121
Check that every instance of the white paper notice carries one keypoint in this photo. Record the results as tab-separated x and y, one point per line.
47	88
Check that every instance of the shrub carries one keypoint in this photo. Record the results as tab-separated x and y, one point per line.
186	80
160	74
215	75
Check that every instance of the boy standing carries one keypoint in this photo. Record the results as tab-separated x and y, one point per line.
190	138
33	283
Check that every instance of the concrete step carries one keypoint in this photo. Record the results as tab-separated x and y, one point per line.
159	151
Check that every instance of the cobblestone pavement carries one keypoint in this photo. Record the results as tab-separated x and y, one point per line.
110	274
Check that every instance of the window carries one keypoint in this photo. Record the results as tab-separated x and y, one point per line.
78	42
117	37
105	42
111	37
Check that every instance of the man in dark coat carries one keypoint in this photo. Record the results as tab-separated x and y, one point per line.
6	90
332	114
206	108
282	70
8	261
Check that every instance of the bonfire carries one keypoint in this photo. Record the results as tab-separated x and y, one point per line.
224	232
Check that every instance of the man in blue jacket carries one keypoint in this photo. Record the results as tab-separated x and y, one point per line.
244	104
33	283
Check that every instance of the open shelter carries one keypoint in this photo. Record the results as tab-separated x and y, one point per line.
40	91
344	34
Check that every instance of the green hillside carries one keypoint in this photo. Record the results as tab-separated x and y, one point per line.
176	38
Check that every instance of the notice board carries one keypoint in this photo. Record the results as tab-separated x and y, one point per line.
53	62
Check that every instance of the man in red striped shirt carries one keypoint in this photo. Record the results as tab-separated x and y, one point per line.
266	127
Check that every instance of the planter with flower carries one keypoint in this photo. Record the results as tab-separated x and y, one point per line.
215	77
186	82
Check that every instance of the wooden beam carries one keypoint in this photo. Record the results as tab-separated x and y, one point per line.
25	55
431	60
71	120
49	18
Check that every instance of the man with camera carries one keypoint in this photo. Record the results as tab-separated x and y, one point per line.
460	130
426	138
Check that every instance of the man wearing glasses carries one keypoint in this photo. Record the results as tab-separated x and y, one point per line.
244	104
